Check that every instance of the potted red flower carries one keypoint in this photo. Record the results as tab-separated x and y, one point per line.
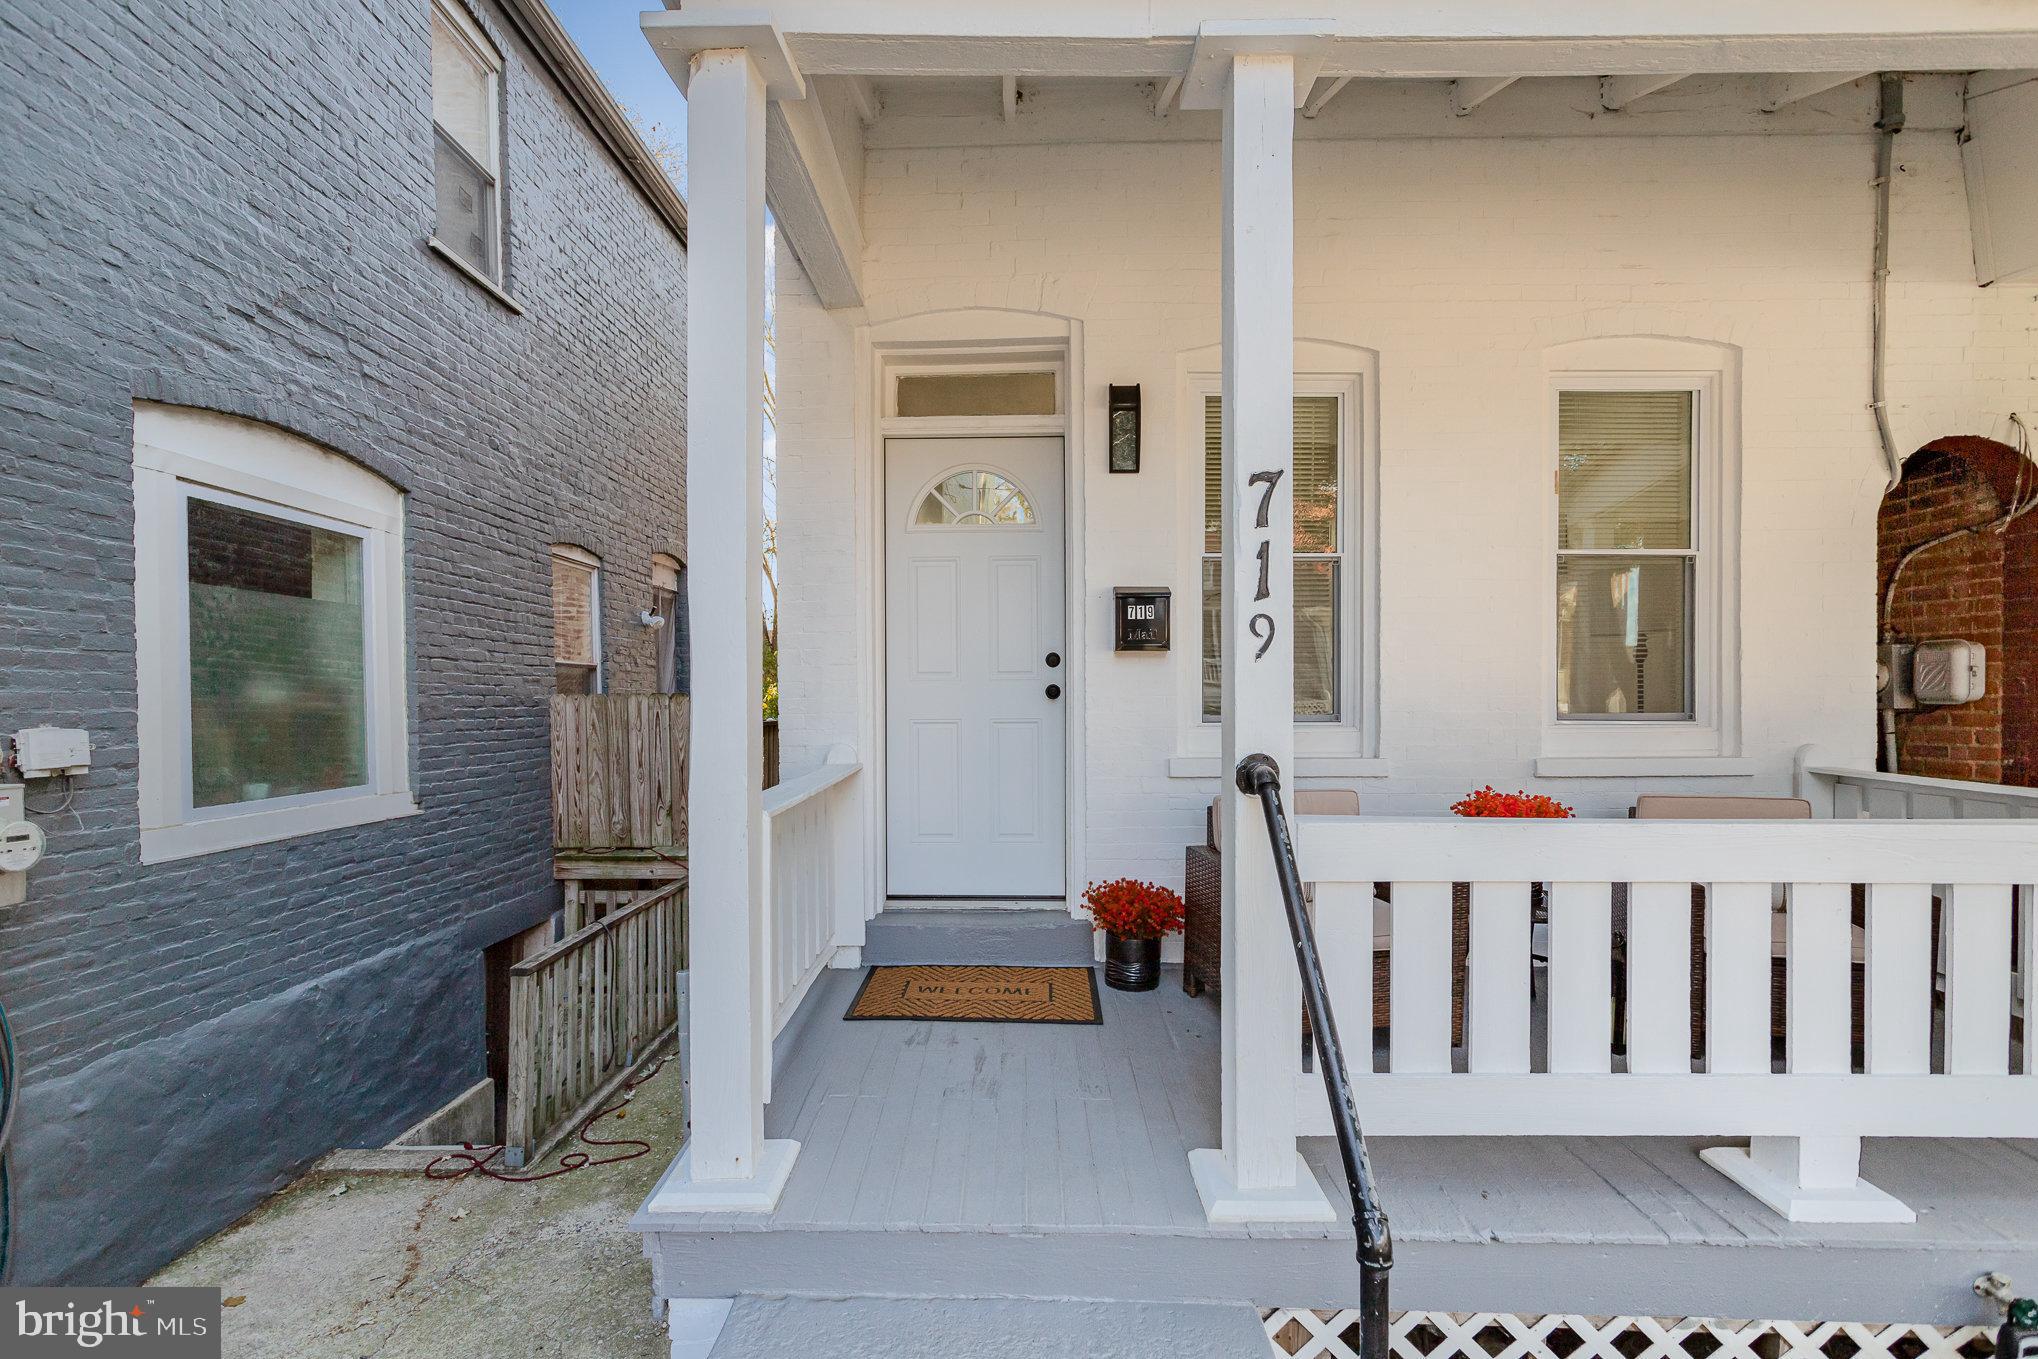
1490	801
1135	917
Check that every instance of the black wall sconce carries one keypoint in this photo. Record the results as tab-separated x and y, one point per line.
1125	428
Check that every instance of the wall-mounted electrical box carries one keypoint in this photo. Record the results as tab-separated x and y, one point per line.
45	752
1938	674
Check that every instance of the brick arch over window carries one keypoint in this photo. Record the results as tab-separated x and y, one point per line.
1979	587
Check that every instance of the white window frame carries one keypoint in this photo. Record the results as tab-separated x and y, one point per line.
1707	741
891	423
181	454
580	556
1348	747
484	51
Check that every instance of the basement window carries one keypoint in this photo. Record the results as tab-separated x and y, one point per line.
269	622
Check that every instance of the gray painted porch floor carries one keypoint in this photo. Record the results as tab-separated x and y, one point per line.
1055	1133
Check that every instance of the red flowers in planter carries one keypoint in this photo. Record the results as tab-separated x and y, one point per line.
1132	909
1489	801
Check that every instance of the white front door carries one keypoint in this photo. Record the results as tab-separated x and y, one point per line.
975	667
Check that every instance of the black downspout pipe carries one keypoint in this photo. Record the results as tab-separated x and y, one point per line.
1258	776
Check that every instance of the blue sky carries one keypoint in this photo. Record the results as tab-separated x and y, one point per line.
607	32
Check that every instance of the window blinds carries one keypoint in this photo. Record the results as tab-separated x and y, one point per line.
1624	470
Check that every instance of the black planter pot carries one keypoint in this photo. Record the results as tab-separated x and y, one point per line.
1132	964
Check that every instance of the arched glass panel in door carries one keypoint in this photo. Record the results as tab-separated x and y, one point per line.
975	497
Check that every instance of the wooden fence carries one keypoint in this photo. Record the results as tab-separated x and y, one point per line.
619	771
585	1010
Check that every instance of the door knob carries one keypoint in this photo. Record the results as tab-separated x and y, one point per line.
1053	660
1054	691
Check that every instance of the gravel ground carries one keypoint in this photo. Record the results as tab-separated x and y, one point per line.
397	1266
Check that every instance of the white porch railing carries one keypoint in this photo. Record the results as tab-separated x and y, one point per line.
1935	1056
1838	791
813	879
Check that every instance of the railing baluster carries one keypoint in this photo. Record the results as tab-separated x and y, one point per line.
1497	997
1581	976
1977	980
1737	973
1659	977
1419	978
1819	985
1898	995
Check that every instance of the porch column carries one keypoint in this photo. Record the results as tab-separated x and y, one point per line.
1258	1174
727	1164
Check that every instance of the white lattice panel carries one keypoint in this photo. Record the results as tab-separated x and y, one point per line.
1298	1333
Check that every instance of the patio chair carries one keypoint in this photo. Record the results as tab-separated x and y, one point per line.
1203	929
1677	807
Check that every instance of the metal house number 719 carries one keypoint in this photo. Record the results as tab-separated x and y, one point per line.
1261	625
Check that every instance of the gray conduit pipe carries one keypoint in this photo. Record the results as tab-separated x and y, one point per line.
1887	124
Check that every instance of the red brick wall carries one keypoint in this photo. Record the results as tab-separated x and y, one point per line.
1982	588
2020	651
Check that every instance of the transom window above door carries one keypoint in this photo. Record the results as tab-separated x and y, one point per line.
975	393
976	497
1320	536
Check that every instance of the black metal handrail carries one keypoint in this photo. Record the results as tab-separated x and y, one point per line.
1258	776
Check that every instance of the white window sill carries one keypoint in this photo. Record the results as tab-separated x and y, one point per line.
189	839
1306	767
473	275
1645	766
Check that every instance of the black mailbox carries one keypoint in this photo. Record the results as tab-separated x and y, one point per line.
1140	618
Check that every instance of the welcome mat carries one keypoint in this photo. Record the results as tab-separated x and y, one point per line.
989	995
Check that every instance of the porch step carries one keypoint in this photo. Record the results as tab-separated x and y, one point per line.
943	1328
1049	937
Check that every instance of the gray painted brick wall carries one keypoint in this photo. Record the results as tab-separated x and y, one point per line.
224	203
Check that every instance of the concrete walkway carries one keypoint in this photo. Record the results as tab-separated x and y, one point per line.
401	1267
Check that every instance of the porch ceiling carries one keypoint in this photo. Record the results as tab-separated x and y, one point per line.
1155	39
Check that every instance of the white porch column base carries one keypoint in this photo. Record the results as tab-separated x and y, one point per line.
682	1193
1808	1179
695	1324
1225	1202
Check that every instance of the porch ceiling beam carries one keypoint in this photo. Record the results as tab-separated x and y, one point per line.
804	182
1469	93
810	197
1781	91
1326	90
864	96
1617	92
1008	91
1165	92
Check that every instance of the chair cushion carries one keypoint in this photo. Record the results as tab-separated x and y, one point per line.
1681	807
1308	802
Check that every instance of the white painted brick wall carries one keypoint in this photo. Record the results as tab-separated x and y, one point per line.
1460	261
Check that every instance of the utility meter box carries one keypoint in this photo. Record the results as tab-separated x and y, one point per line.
1949	672
45	752
1939	674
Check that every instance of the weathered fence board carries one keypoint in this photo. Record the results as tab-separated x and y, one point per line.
619	771
584	1010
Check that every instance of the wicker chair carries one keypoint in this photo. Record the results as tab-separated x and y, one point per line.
1203	930
1658	807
